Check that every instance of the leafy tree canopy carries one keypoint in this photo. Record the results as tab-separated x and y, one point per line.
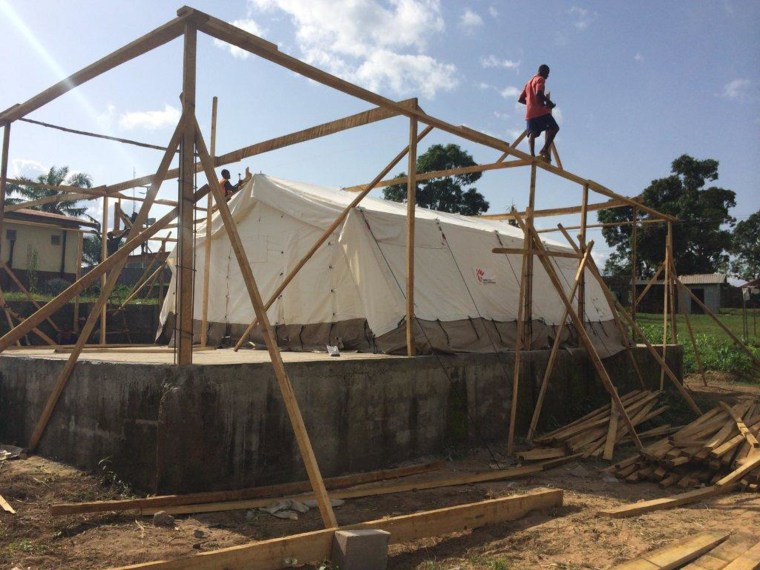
444	194
746	248
55	177
701	241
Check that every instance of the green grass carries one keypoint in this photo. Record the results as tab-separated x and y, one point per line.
716	349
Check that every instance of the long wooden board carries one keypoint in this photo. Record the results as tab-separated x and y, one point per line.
315	546
676	555
664	503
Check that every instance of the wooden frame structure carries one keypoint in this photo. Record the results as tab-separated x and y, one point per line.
187	140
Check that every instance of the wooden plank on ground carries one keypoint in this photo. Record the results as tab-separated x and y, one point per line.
315	546
664	503
678	554
242	494
750	560
723	554
6	506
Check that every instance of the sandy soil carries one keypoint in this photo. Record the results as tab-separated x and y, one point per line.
573	536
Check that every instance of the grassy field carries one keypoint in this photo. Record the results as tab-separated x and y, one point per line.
717	350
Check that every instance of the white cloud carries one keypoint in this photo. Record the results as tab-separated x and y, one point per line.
470	20
150	120
582	17
737	89
358	40
500	115
249	26
493	12
638	57
27	168
510	92
493	61
483	85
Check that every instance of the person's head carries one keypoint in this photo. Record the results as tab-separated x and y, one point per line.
109	235
543	70
226	174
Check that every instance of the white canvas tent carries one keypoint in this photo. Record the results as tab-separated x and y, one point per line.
351	293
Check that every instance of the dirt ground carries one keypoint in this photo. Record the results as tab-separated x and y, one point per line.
573	536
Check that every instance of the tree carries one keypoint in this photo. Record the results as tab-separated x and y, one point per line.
55	177
746	248
700	238
444	194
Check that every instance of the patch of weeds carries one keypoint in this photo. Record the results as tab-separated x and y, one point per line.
109	478
27	547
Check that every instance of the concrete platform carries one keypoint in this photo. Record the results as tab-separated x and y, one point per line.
221	423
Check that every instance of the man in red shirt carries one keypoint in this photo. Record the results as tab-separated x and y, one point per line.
538	113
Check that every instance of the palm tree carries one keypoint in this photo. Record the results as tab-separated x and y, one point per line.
54	177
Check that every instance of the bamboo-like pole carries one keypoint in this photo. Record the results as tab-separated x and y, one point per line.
609	204
672	287
104	255
651	282
607	225
555	346
411	203
634	262
185	257
207	243
288	395
582	283
140	287
518	347
3	176
588	345
328	232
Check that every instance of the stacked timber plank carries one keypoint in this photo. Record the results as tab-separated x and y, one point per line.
597	433
723	441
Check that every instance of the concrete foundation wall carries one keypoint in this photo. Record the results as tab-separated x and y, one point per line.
171	429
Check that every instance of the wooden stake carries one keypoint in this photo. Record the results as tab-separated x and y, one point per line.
591	351
582	282
634	261
672	287
104	255
651	282
697	356
207	243
665	310
77	276
555	346
411	202
291	404
528	274
327	233
518	349
185	250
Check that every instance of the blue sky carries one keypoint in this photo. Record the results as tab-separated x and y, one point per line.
637	85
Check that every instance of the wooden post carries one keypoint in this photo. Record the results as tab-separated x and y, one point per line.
634	262
4	176
665	306
527	252
77	275
697	357
104	255
672	287
528	275
185	257
328	232
207	243
291	404
411	202
582	283
588	345
555	345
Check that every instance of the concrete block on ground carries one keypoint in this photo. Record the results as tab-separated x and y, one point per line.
365	549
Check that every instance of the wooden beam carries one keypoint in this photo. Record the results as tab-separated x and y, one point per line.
104	277
207	243
588	345
524	251
318	131
555	346
120	257
253	44
315	546
288	395
582	242
642	507
158	37
750	560
268	492
519	339
441	174
185	245
411	203
677	554
634	261
608	225
651	282
740	425
328	232
558	211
